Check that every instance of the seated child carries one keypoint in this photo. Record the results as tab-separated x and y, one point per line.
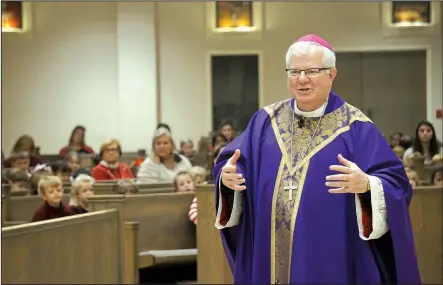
81	190
127	186
183	182
61	169
399	151
141	156
198	174
39	171
412	176
73	161
19	180
51	190
437	159
437	177
20	160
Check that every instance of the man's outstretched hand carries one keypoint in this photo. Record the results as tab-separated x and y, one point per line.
230	177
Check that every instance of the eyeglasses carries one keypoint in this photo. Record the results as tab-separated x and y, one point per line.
310	72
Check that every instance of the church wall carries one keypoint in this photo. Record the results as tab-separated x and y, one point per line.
95	64
349	26
89	63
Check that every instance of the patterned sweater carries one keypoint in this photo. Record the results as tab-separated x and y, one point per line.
193	211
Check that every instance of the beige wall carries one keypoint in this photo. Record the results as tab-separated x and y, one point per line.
96	64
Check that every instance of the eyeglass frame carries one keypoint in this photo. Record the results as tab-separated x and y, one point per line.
320	69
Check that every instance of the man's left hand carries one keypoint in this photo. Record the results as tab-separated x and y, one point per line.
351	179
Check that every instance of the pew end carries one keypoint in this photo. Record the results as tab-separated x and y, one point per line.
165	233
212	265
65	250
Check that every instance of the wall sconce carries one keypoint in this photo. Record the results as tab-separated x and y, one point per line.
234	16
411	13
411	18
12	16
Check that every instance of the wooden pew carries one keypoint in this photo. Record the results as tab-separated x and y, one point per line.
19	210
20	206
426	219
426	213
212	265
109	188
165	233
65	250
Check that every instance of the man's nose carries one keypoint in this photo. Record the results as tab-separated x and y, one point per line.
303	78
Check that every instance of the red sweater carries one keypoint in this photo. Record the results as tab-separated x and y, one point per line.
47	212
101	172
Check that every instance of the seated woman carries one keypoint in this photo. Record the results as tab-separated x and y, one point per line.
77	142
24	143
110	167
425	143
165	162
81	190
51	190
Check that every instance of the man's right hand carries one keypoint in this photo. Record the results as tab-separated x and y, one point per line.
230	177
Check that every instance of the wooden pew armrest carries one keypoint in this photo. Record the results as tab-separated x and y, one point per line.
154	257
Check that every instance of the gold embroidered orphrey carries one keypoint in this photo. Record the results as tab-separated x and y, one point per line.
284	211
292	171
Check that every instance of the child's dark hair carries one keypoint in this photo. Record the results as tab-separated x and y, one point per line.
60	167
96	160
163	125
214	155
80	171
18	176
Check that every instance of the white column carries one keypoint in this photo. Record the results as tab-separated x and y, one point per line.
137	69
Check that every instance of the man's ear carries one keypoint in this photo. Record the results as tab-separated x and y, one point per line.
332	74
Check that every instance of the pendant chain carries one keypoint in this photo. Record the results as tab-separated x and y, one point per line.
292	172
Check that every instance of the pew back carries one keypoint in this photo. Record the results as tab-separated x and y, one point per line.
23	208
212	265
163	220
65	250
426	219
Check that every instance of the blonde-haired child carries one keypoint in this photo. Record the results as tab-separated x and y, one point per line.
198	174
81	190
399	151
183	182
412	176
51	190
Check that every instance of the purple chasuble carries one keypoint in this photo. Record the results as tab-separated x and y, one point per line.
313	237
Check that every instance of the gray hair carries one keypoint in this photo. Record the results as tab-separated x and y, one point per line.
158	133
78	184
197	170
126	186
303	48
